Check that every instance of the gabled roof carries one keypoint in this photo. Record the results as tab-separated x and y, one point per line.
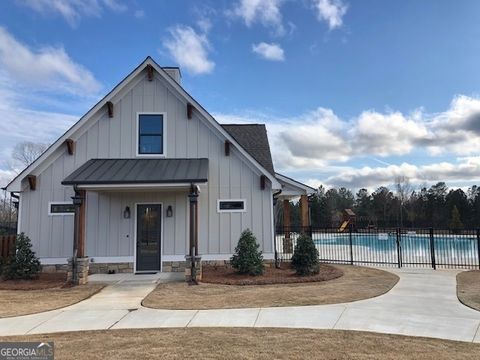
297	187
15	184
254	139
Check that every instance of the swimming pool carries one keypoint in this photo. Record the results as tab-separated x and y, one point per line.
412	249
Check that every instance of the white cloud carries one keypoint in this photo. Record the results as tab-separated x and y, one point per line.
319	140
463	170
42	68
73	10
331	11
189	49
269	51
386	134
265	12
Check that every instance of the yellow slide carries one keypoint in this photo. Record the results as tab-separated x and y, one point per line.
344	225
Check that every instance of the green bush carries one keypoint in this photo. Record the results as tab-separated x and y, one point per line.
23	264
247	258
305	256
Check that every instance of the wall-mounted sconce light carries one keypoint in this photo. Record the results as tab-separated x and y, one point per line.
169	211
126	212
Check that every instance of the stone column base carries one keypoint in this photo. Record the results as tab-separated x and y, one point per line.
82	271
198	268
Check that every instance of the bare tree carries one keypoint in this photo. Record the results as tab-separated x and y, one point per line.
26	152
404	191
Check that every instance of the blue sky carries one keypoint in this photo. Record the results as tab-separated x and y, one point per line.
354	93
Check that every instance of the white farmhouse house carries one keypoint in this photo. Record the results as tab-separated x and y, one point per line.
147	178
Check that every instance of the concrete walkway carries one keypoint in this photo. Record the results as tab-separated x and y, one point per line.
423	303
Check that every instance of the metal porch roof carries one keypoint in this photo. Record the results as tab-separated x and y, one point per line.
139	171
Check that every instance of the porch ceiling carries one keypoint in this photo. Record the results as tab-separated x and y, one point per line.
139	172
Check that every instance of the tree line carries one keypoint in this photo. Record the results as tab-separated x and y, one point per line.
436	206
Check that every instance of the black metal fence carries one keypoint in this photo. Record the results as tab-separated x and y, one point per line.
432	248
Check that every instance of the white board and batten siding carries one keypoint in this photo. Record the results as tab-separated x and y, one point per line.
108	234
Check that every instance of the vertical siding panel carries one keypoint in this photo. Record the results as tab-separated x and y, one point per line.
224	181
127	126
171	125
92	142
103	137
180	128
148	95
235	218
214	193
114	222
93	227
104	225
181	226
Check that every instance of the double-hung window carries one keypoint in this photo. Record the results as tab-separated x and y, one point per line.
151	134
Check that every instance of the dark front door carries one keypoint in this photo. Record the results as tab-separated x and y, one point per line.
149	230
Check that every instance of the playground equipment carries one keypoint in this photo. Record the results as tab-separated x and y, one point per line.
343	227
349	218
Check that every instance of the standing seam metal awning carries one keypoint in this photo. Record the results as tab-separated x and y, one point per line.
139	171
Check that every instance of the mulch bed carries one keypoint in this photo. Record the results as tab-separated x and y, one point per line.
227	275
44	281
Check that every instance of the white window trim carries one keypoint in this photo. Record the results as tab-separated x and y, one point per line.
59	203
232	210
164	136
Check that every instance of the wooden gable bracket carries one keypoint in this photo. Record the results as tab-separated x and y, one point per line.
110	109
149	72
32	181
263	182
227	148
189	111
70	146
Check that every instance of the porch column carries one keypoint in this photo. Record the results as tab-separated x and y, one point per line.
78	264
287	241
193	272
304	212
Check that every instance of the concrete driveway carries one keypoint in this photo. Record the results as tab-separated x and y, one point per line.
423	303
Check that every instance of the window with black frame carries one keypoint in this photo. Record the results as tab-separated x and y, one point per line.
61	209
150	134
231	205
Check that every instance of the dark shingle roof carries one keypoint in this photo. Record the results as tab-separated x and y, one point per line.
253	138
139	171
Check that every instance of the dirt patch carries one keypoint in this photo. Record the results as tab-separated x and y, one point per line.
24	302
357	283
238	343
284	275
44	281
468	288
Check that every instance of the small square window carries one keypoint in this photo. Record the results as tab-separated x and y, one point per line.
150	134
231	205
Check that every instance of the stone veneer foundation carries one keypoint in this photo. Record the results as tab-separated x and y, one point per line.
127	267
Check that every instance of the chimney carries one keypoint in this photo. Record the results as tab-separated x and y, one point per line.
174	73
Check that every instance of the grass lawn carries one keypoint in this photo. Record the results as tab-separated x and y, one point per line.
468	288
23	302
238	343
357	283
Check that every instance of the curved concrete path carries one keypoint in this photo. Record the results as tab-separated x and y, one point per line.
423	303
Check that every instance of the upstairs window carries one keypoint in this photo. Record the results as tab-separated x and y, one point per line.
150	134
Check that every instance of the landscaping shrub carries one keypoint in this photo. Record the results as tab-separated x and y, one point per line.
23	264
305	256
247	258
